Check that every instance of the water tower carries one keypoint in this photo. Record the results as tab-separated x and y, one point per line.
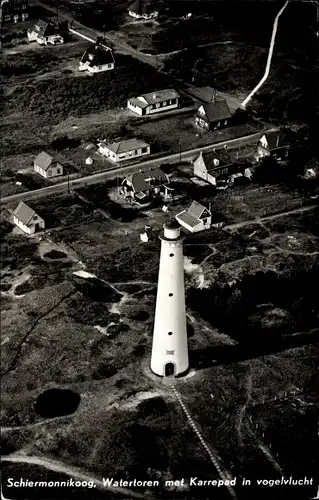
170	349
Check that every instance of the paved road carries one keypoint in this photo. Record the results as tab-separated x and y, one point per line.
73	472
123	170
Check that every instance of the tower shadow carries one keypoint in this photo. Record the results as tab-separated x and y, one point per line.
224	355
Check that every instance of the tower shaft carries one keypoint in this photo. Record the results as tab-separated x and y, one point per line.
170	349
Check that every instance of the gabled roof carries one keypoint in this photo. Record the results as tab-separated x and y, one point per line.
160	96
217	110
98	55
125	146
276	139
141	181
221	155
137	102
24	213
43	160
141	7
196	209
43	28
192	215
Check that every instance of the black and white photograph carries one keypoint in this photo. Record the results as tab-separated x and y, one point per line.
159	237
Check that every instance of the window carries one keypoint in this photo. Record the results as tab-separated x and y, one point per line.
171	255
24	6
35	217
50	173
7	18
158	104
58	171
164	103
170	352
144	150
173	101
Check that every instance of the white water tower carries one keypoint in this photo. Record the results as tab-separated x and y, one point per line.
170	348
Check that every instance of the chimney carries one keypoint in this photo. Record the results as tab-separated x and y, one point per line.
214	96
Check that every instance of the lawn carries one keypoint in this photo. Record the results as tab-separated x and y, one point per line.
169	132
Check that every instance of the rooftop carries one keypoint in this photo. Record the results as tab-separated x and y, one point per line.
223	156
43	160
276	139
216	110
43	28
141	180
97	55
125	146
192	214
160	95
24	213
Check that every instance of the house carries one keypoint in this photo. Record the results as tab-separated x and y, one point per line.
26	219
195	218
311	169
273	143
98	57
213	115
46	166
124	150
154	102
208	166
218	169
142	185
142	9
13	11
41	32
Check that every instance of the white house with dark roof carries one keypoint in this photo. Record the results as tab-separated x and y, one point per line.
208	166
46	166
195	218
124	150
40	30
26	219
273	143
142	9
213	115
154	102
219	169
97	58
142	185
